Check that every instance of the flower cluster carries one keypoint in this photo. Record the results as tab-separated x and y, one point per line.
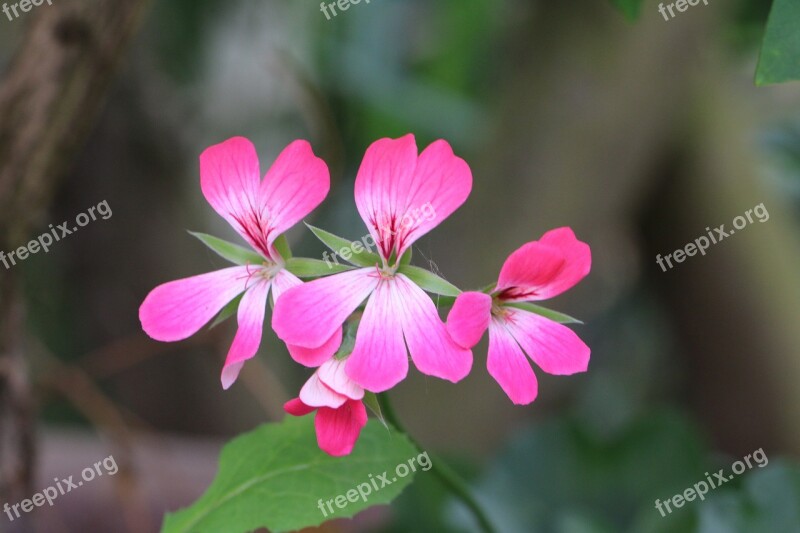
380	301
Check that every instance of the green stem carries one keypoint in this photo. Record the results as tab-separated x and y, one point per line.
446	475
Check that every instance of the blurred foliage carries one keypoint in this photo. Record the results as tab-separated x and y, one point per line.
631	8
559	477
782	159
430	84
420	508
748	24
182	29
768	501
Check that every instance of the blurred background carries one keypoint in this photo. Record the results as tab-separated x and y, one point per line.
638	135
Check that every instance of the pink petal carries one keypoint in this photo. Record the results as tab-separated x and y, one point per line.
294	186
509	367
310	357
309	315
178	309
282	282
545	268
442	183
577	255
248	338
433	351
382	186
379	359
230	178
333	375
296	407
401	196
338	429
554	347
314	357
316	394
469	318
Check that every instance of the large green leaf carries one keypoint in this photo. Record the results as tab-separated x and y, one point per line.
227	250
354	252
275	476
429	281
631	8
780	51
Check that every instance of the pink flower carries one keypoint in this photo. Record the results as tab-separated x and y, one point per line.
537	271
337	400
392	182
260	210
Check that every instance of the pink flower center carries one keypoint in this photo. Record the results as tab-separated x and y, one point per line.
516	293
257	228
392	235
260	273
384	273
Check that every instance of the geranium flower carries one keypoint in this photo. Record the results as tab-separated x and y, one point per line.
260	211
337	400
537	271
393	181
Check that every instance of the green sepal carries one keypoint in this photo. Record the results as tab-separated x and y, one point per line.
227	250
303	267
338	244
555	316
429	281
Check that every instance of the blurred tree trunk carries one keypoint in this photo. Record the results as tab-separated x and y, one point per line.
49	98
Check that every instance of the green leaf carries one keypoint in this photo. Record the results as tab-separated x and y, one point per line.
339	245
227	250
314	268
555	316
429	281
273	477
630	8
779	60
228	311
282	245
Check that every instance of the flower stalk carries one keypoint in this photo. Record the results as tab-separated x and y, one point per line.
446	475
